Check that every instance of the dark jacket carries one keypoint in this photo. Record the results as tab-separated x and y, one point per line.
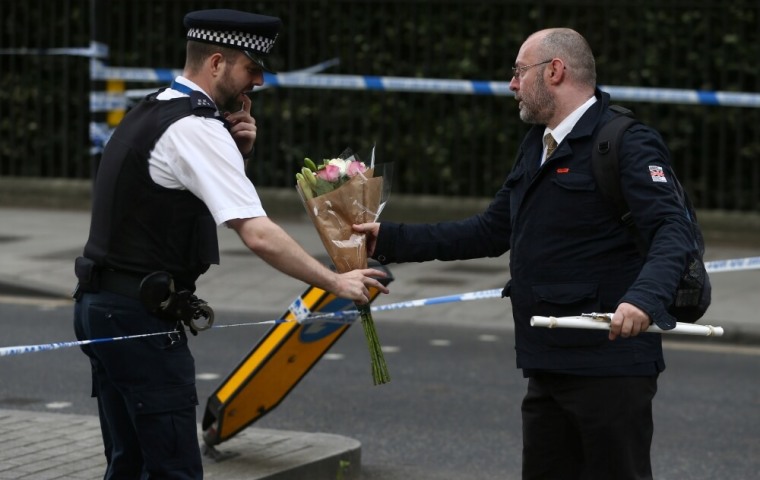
569	254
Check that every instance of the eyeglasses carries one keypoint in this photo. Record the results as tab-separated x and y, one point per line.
517	72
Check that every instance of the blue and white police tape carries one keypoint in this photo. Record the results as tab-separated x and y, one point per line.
99	71
95	50
107	101
102	102
732	265
344	317
302	79
349	316
501	88
22	349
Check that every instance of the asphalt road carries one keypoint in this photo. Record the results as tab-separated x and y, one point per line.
451	410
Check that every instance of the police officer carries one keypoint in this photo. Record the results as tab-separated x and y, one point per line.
588	410
171	173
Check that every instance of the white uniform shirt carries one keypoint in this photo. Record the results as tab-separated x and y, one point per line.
198	154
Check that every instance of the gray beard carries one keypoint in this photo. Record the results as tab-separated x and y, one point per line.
542	105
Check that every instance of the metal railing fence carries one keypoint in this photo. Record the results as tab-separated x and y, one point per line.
442	144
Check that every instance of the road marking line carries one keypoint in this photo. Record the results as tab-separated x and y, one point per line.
333	356
488	338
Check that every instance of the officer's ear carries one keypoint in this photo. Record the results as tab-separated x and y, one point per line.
216	63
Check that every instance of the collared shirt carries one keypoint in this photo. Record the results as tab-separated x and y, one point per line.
566	126
198	154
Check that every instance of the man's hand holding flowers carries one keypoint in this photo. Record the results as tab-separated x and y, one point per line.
338	194
371	230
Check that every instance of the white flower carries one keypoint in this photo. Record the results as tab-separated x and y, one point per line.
341	164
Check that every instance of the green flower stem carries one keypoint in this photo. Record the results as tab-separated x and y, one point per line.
379	368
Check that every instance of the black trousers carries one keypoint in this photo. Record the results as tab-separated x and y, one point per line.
145	389
587	427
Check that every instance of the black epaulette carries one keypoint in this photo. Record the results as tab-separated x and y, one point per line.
201	104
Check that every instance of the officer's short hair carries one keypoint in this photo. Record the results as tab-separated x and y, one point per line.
198	52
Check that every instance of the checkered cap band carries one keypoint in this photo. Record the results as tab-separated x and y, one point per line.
241	40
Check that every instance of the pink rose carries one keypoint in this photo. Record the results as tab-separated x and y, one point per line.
331	173
355	168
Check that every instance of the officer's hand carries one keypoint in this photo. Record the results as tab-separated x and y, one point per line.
243	126
355	284
372	230
628	321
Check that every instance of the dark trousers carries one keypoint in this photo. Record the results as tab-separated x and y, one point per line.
145	389
587	427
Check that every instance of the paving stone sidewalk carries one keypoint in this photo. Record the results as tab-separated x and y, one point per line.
48	446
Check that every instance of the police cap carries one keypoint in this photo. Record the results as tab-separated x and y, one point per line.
252	33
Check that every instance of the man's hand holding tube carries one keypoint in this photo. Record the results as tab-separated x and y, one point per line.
628	321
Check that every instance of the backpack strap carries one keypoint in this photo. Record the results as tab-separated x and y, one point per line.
605	165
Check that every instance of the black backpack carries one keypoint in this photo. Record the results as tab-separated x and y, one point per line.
694	290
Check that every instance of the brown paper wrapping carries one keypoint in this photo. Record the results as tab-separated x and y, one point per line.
334	213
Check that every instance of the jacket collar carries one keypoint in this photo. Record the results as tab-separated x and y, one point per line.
588	122
584	128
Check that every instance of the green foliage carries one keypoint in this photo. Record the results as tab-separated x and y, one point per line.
441	144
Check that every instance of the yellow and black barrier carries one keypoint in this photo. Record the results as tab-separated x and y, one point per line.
276	364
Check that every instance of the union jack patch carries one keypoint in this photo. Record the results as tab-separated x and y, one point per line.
658	175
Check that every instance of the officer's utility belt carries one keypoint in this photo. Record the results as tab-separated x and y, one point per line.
155	291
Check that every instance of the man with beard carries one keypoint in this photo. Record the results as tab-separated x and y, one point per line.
588	408
172	172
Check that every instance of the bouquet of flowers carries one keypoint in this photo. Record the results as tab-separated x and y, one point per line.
337	194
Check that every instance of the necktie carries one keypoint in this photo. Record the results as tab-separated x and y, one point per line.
551	144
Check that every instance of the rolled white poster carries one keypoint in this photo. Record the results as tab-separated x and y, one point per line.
601	321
